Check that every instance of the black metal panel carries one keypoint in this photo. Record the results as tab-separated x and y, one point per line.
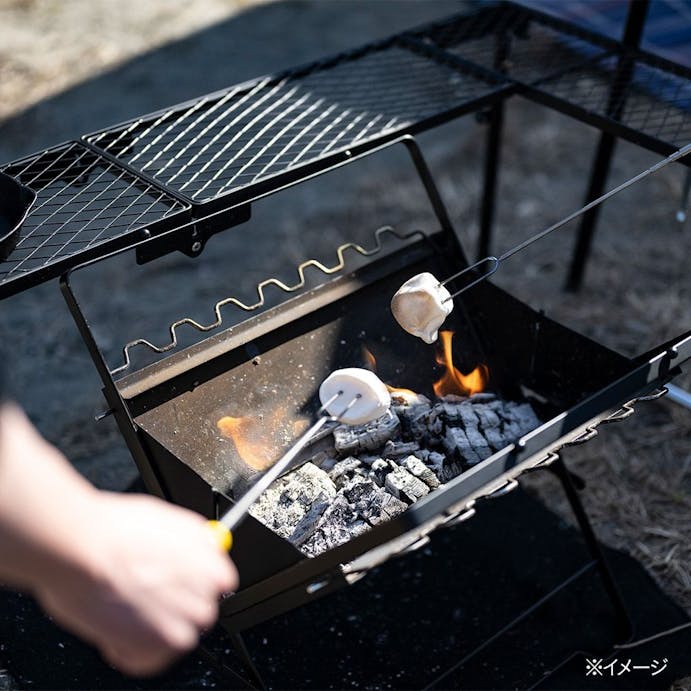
276	364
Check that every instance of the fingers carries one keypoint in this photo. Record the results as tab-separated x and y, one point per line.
152	649
150	586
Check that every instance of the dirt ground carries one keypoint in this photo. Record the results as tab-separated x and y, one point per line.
67	67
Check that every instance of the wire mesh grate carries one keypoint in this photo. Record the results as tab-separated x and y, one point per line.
272	129
82	201
653	101
513	41
217	145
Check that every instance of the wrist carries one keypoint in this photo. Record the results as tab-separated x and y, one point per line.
46	507
66	550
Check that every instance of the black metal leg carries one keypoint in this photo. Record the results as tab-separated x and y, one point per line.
598	179
623	618
633	31
230	678
493	147
247	661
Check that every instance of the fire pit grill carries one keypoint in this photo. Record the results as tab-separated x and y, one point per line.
169	180
167	410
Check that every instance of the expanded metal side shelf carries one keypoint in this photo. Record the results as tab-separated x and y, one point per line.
85	206
159	171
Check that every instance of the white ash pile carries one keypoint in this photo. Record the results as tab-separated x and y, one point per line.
374	471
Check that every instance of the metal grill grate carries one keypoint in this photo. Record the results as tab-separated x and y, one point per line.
259	136
217	145
655	102
514	41
82	202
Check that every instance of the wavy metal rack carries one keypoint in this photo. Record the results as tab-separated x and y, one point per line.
261	300
167	169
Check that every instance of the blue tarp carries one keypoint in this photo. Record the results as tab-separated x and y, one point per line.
667	28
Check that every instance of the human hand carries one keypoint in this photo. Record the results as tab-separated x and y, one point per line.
146	584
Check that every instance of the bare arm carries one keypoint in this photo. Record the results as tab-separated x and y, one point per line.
135	576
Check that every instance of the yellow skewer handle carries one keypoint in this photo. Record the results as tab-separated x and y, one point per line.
223	536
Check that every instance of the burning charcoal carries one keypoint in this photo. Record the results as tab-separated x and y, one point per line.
417	468
525	416
427	425
405	486
357	488
451	412
291	497
478	442
368	459
405	398
394	449
379	470
453	398
409	414
487	417
372	503
349	439
325	461
518	419
338	524
445	468
344	471
482	397
308	523
456	442
468	416
496	438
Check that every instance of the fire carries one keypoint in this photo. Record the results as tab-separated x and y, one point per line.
371	363
403	393
247	435
370	360
453	381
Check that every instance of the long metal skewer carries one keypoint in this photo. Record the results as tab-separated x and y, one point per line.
496	261
234	516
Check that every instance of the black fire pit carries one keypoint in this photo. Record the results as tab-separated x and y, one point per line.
168	181
270	365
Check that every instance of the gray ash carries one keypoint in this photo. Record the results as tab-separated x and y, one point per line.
377	470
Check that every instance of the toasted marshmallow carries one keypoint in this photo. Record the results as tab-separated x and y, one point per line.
421	305
358	395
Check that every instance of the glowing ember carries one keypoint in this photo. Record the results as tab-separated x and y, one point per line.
248	436
402	393
453	381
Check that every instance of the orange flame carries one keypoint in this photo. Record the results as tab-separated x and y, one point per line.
397	390
370	360
246	433
453	381
371	363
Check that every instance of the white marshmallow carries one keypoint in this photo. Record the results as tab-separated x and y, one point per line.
374	399
421	305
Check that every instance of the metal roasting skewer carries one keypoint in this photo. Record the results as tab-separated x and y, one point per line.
225	525
493	261
496	261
